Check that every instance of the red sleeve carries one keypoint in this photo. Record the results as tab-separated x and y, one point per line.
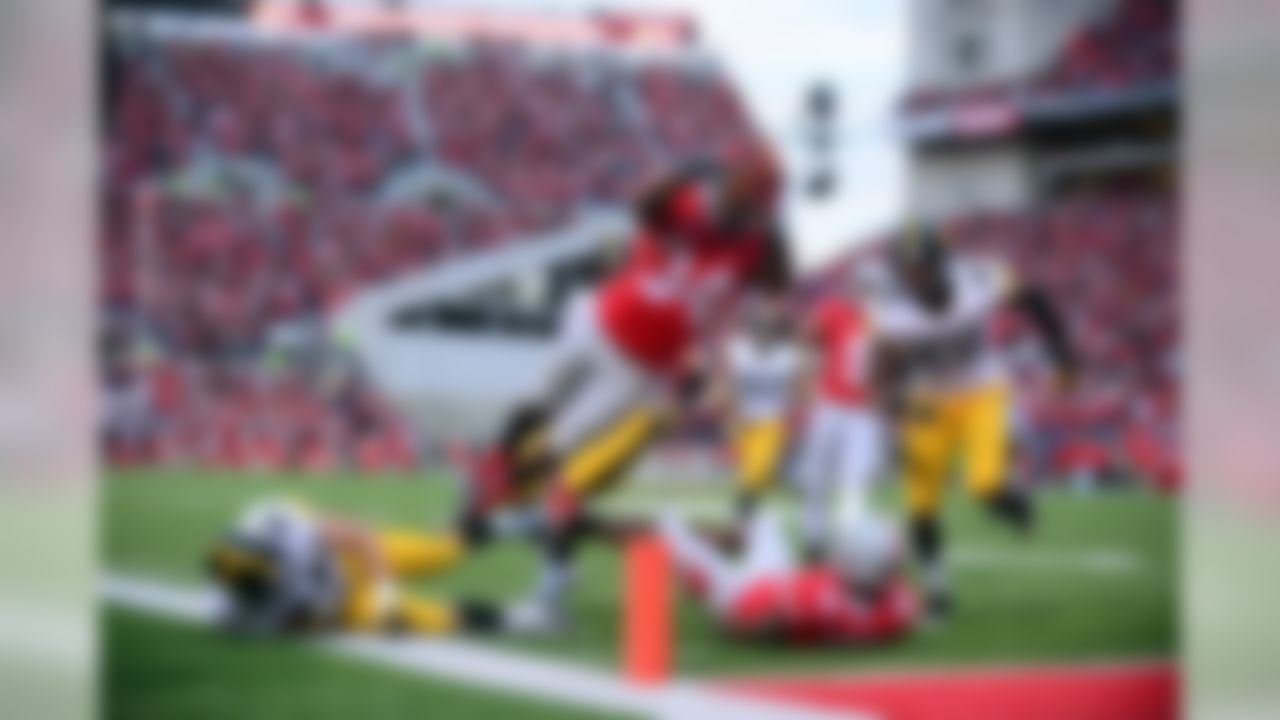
757	607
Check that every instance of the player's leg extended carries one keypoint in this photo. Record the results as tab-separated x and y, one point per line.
758	450
370	595
596	437
524	458
704	567
430	616
585	472
765	552
815	470
861	460
375	605
423	616
513	471
592	436
926	444
414	553
605	458
984	439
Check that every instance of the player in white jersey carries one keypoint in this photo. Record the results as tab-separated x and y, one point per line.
940	375
765	370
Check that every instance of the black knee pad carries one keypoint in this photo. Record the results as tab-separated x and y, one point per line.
1013	507
523	421
926	536
563	542
478	616
474	529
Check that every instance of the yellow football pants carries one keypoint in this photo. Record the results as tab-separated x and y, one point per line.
758	448
413	553
969	427
407	554
605	458
367	611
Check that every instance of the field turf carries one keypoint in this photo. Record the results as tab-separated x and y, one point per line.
160	669
1097	582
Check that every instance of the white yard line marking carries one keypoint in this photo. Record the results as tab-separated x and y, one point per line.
1101	561
908	672
479	665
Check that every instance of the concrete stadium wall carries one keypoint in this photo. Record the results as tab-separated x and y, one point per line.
946	183
1006	39
453	385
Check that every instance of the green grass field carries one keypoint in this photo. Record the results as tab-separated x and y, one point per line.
162	669
1096	582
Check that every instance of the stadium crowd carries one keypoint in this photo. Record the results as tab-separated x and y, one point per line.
1130	47
1110	260
249	187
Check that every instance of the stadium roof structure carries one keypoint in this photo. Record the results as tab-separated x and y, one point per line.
1001	112
641	31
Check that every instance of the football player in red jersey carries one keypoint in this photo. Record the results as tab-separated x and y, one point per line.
626	350
843	444
858	595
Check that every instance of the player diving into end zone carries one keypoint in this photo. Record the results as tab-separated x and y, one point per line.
626	349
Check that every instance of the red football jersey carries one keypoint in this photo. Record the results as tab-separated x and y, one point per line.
813	606
845	359
668	293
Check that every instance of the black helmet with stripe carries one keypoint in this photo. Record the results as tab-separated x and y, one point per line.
919	256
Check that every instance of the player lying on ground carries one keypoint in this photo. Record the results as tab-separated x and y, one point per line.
284	568
939	374
625	348
857	596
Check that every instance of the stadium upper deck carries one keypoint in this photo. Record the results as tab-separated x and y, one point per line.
253	179
1124	60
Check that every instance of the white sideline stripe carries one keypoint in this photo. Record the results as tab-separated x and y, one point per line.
475	664
1103	561
911	673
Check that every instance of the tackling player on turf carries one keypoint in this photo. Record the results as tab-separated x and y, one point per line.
284	568
857	595
940	376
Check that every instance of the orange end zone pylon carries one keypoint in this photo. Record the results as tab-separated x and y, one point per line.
647	626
